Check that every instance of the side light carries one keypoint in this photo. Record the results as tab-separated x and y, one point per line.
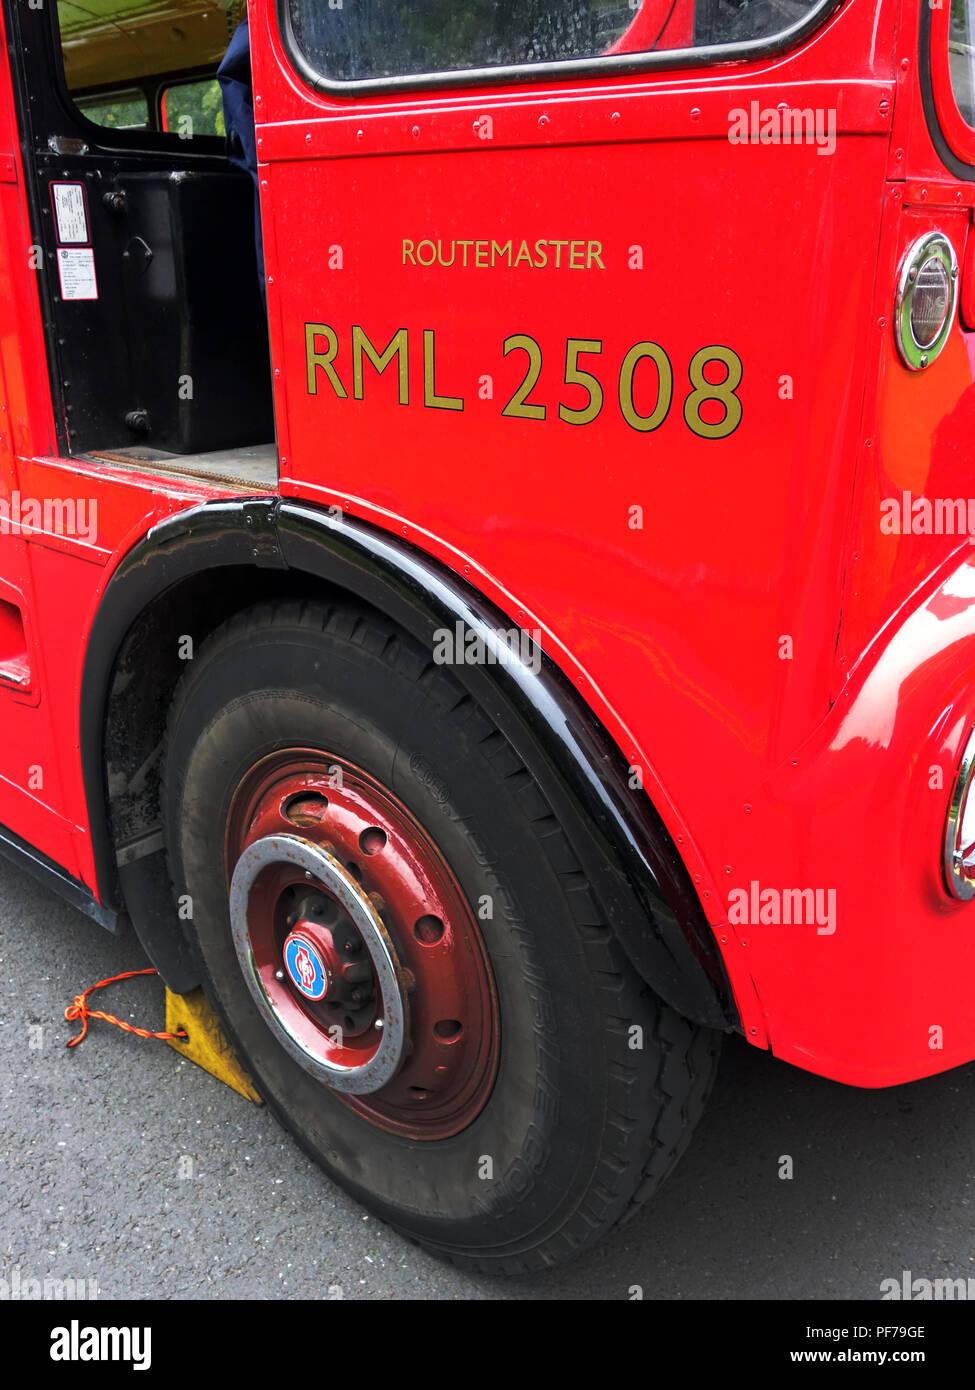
927	292
959	852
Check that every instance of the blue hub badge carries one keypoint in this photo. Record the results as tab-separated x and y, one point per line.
305	967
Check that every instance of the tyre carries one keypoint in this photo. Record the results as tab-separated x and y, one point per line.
403	949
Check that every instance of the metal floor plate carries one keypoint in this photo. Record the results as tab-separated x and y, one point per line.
254	467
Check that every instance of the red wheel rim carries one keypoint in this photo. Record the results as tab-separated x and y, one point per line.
309	951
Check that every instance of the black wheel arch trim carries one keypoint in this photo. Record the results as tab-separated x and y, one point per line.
621	842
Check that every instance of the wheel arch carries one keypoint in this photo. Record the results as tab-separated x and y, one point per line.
198	567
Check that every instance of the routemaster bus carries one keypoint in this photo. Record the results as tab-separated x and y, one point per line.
518	626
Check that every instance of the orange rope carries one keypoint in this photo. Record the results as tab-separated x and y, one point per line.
80	1009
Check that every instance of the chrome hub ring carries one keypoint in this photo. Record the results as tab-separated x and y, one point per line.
317	1047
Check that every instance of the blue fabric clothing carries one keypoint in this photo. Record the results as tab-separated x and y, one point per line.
234	76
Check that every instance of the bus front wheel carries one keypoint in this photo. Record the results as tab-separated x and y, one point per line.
404	950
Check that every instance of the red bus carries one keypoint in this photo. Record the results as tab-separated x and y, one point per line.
537	636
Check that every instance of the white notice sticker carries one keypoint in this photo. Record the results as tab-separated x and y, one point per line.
77	271
69	210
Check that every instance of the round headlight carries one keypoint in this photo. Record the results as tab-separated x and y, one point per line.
926	294
959	855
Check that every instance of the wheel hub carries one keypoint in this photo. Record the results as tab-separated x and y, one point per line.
296	1001
358	946
305	960
325	961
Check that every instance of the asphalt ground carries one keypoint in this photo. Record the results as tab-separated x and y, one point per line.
126	1164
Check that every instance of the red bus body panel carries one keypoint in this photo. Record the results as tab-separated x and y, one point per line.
787	679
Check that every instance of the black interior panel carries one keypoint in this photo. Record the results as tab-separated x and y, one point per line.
173	351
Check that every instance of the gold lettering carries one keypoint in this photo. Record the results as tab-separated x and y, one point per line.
430	397
665	387
397	347
484	253
314	358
